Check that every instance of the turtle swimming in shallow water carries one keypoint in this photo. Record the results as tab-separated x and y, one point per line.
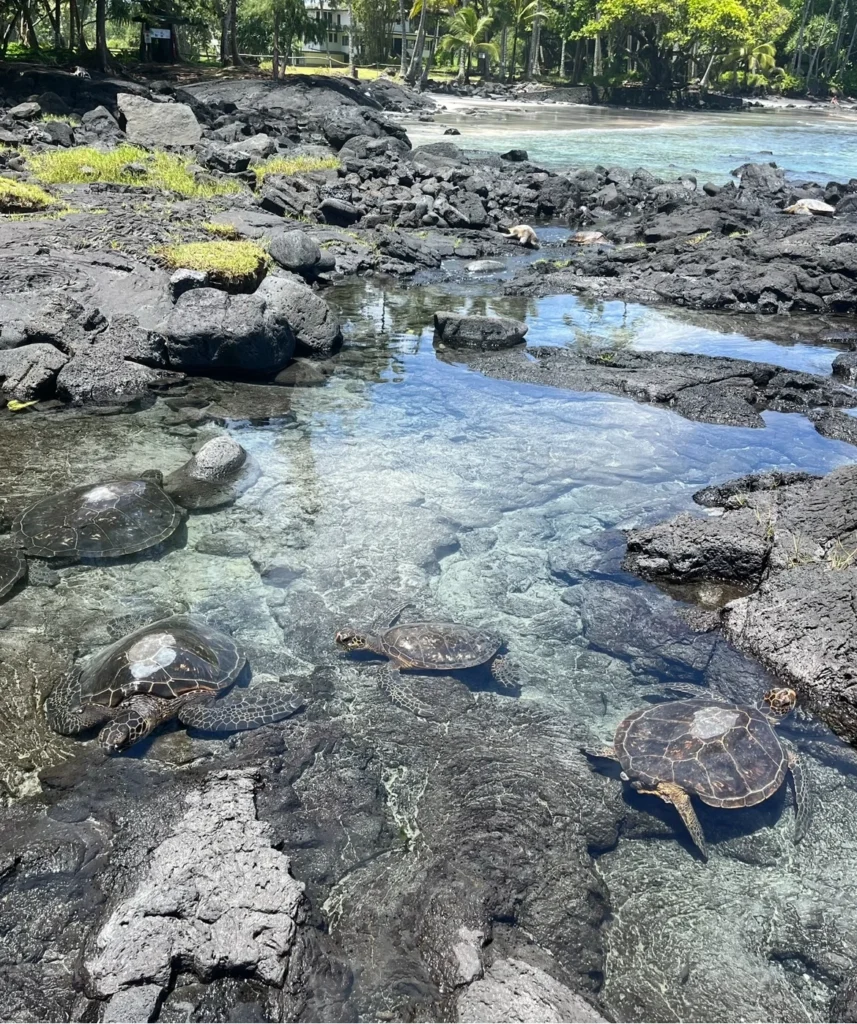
12	569
427	646
728	755
177	667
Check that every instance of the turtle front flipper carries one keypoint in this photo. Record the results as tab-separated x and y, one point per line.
239	714
803	806
397	688
672	794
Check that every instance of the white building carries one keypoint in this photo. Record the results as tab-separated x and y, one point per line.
337	48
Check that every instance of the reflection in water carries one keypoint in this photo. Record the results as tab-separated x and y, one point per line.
405	478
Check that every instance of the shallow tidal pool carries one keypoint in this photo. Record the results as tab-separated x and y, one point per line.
402	477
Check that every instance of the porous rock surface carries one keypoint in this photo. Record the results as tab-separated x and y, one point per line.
158	124
478	332
515	991
216	897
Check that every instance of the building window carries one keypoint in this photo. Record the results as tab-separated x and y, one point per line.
345	39
338	19
331	38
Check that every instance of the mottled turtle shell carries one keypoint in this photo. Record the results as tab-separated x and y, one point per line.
727	754
12	568
439	645
166	659
119	517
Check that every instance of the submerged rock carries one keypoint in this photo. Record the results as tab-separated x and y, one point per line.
218	472
515	991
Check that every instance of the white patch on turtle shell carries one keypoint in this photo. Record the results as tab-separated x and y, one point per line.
152	653
709	723
101	493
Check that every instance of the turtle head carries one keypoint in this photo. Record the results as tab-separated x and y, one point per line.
780	701
129	726
350	640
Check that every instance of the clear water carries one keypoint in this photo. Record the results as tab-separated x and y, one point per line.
809	145
405	477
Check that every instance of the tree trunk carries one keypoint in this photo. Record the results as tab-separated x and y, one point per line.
101	35
514	54
812	64
847	60
352	41
534	69
798	57
832	52
596	59
233	33
419	46
703	83
578	61
275	62
503	42
403	65
424	77
463	68
57	25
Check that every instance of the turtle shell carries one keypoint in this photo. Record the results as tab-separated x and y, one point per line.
439	645
727	754
166	659
119	517
12	568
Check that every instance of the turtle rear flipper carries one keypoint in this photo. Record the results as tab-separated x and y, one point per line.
802	801
504	674
675	795
398	689
239	714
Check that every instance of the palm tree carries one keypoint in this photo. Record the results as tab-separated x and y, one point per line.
466	33
521	15
758	63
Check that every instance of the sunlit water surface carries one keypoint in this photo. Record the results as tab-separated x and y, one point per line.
499	504
810	145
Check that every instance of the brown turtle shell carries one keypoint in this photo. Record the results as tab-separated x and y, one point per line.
107	520
166	659
729	755
12	569
438	645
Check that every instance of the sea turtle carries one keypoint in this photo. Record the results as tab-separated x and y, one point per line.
811	208
176	667
427	646
124	516
726	754
12	569
104	520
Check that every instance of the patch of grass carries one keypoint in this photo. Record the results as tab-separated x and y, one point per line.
21	197
82	165
221	230
65	118
838	558
696	239
63	211
738	234
228	264
296	165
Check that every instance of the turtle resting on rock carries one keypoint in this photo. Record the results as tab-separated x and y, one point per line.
726	754
427	647
175	668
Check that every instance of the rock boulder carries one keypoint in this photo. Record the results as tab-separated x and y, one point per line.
478	332
158	124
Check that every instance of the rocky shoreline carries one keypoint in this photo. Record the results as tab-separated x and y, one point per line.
361	863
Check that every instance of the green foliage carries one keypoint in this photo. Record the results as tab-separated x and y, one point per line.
375	18
82	165
289	165
20	197
228	264
468	33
